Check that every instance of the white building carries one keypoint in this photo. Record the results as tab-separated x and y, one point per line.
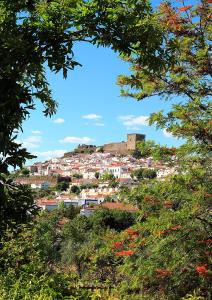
117	170
42	185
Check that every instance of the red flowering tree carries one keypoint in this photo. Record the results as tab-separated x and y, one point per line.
176	213
180	69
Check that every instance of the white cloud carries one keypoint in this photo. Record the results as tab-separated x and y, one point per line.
99	124
167	133
33	139
36	132
59	121
76	140
92	117
29	145
126	118
45	155
134	122
31	142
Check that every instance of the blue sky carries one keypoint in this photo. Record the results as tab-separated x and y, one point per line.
90	108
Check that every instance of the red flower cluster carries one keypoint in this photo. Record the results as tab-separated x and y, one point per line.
202	270
185	8
208	253
133	237
168	204
171	17
208	195
141	228
118	244
125	253
131	231
151	200
205	241
164	231
174	228
163	272
132	245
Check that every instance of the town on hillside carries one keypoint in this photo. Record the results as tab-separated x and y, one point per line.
90	176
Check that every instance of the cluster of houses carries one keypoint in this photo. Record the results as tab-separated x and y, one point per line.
88	166
94	196
88	205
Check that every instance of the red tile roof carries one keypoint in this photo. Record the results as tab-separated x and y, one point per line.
113	165
44	201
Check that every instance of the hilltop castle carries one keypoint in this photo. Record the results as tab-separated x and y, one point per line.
124	147
115	148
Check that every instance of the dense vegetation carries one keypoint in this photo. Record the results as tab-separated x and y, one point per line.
164	251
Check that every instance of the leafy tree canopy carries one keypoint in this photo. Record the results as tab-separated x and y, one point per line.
114	219
138	174
107	176
39	32
16	204
63	186
75	189
149	173
181	67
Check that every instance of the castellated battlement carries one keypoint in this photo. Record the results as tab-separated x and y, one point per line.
125	147
116	148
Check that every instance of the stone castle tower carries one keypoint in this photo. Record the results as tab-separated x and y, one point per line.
124	147
132	139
